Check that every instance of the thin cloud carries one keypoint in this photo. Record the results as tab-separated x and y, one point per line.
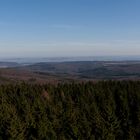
63	26
114	47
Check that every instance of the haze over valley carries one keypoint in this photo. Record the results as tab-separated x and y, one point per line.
69	69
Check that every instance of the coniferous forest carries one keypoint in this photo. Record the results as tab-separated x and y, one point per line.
107	110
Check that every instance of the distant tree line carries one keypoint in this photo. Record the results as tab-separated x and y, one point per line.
70	111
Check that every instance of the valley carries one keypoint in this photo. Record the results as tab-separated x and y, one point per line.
68	71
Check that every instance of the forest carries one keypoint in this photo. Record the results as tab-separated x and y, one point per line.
104	110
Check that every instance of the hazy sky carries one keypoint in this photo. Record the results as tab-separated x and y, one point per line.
69	28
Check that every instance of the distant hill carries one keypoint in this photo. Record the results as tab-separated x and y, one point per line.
91	69
8	64
67	71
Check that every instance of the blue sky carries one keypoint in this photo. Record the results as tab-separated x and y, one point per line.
47	28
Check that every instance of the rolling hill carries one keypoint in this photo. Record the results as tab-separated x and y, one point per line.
66	71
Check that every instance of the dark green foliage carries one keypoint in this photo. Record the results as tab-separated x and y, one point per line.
86	111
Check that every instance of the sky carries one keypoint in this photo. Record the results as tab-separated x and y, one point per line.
53	28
